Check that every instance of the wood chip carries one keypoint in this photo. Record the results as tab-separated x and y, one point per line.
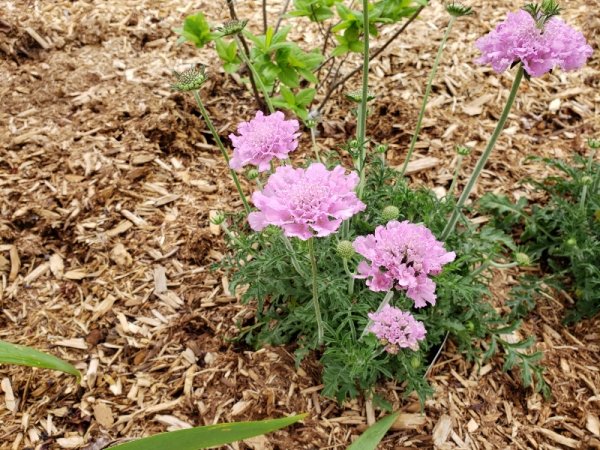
57	265
70	442
562	440
442	430
15	263
408	421
592	424
103	414
9	397
78	343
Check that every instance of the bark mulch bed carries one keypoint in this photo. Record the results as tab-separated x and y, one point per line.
107	183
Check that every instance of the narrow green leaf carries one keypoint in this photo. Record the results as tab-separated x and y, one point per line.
209	436
26	356
374	434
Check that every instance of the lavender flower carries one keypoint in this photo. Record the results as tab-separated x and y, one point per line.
519	38
402	254
306	202
396	329
262	139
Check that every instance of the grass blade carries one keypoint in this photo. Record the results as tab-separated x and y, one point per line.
26	356
374	434
209	436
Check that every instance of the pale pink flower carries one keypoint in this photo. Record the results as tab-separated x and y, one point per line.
402	255
397	329
519	38
306	202
262	139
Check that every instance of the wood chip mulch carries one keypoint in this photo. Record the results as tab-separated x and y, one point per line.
107	183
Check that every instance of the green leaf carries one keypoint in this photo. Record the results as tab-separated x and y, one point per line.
288	95
196	30
305	96
26	356
289	77
374	434
209	436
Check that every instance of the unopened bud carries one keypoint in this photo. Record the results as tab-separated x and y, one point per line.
252	174
462	150
356	96
415	362
390	213
381	148
218	219
191	79
232	27
594	143
586	180
522	259
571	242
353	143
345	249
458	10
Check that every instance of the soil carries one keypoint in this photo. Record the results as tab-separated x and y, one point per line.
108	182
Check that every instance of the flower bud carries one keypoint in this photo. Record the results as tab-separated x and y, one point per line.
190	80
218	219
381	148
462	150
390	213
571	242
353	143
252	174
470	326
458	10
594	143
232	27
522	259
310	123
586	180
345	249
415	362
356	96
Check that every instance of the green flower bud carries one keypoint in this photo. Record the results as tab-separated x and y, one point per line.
345	249
470	326
232	27
356	96
381	148
353	143
190	80
252	174
594	143
571	242
522	259
462	150
218	219
390	213
586	180
415	362
311	123
458	10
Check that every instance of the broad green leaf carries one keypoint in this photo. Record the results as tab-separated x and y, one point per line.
209	436
26	356
288	95
305	96
196	30
374	434
289	77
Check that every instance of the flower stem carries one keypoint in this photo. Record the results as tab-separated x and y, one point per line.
213	130
455	177
318	317
584	190
362	112
386	301
434	69
256	77
313	137
350	275
484	157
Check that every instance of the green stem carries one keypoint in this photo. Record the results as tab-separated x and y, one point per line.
313	137
455	177
584	190
318	317
484	157
213	130
362	112
350	275
434	69
256	77
288	245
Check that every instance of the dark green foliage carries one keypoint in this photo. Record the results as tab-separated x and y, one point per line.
353	363
562	234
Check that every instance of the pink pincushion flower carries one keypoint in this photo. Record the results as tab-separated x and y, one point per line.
397	328
402	255
519	38
306	202
262	139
